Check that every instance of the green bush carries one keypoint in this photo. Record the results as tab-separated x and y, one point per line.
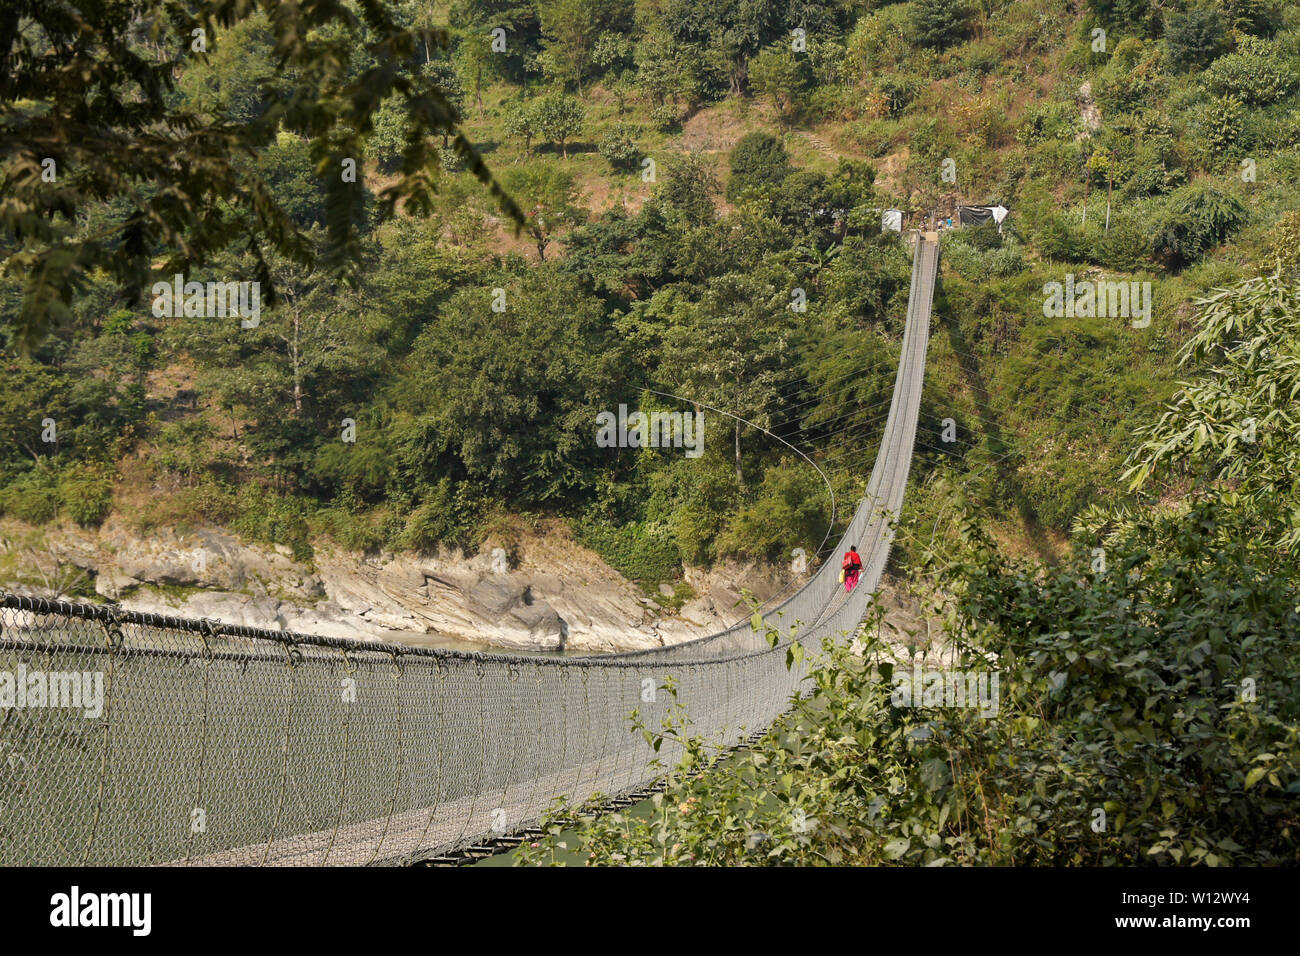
897	90
876	137
939	24
640	551
353	526
34	499
618	146
1057	239
271	518
966	256
1046	121
758	160
1125	247
447	515
1197	218
1219	128
792	509
665	117
450	159
86	494
387	138
1195	35
1256	76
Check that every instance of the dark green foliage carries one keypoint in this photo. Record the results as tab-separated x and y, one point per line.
1138	17
782	76
447	515
1126	246
666	118
618	146
1134	78
274	519
898	91
121	145
1196	219
687	185
286	165
512	396
1045	121
33	498
638	551
758	160
86	493
792	509
1254	75
1057	240
1122	696
1196	35
939	23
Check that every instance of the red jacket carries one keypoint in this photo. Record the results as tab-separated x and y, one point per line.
852	561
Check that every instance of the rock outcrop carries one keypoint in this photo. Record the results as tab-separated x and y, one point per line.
555	595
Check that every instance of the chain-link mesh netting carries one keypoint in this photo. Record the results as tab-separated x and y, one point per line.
132	738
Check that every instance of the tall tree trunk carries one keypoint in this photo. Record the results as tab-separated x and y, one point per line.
740	475
297	367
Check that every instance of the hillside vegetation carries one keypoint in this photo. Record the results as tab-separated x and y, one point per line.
701	184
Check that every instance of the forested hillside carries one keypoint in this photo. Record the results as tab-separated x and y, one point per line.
701	184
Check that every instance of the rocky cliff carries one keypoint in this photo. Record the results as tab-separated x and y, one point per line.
551	594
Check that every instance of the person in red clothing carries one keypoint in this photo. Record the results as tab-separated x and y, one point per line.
851	568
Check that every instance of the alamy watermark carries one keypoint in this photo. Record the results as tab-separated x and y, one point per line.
213	300
652	430
933	688
1101	299
128	910
76	690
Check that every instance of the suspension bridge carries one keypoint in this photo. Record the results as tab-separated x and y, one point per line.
138	739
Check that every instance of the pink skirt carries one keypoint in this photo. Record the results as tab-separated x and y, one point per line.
851	580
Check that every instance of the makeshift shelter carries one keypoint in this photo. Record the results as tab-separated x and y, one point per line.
978	215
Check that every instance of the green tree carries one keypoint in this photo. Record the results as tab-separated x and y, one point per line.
1197	219
759	159
237	80
1195	35
108	93
559	118
521	122
782	76
512	396
619	147
1283	253
474	51
445	78
1231	428
549	197
731	349
573	29
792	509
1255	74
687	184
939	24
